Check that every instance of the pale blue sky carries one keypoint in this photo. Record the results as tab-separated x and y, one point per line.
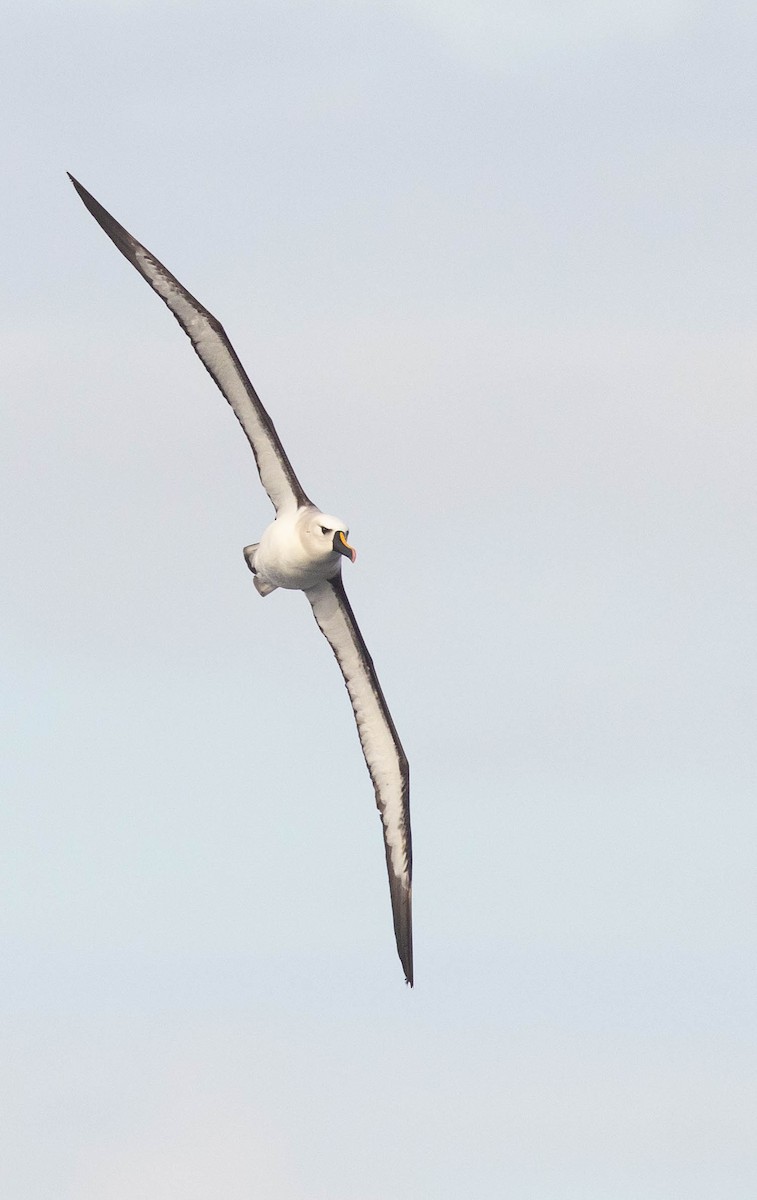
491	268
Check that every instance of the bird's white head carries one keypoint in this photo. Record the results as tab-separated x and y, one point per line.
324	535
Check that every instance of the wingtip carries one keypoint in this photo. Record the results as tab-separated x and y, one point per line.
407	967
402	909
405	949
87	198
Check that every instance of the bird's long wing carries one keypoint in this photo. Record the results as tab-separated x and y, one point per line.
218	356
382	748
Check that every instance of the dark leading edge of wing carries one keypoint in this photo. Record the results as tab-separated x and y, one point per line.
382	749
217	355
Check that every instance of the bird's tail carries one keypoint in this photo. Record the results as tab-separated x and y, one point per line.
262	588
249	556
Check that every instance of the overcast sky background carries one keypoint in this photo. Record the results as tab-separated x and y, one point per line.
491	267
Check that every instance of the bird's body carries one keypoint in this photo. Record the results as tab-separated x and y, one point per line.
297	550
301	550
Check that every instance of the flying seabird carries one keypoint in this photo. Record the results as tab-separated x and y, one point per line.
301	550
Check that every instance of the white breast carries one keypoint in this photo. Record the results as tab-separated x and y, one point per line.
285	561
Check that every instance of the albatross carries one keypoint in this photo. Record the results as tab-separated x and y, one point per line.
302	550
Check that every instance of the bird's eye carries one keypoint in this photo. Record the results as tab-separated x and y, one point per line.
324	529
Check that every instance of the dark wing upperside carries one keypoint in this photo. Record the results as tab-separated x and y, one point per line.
217	355
382	749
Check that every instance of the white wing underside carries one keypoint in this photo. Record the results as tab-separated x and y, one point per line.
382	749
